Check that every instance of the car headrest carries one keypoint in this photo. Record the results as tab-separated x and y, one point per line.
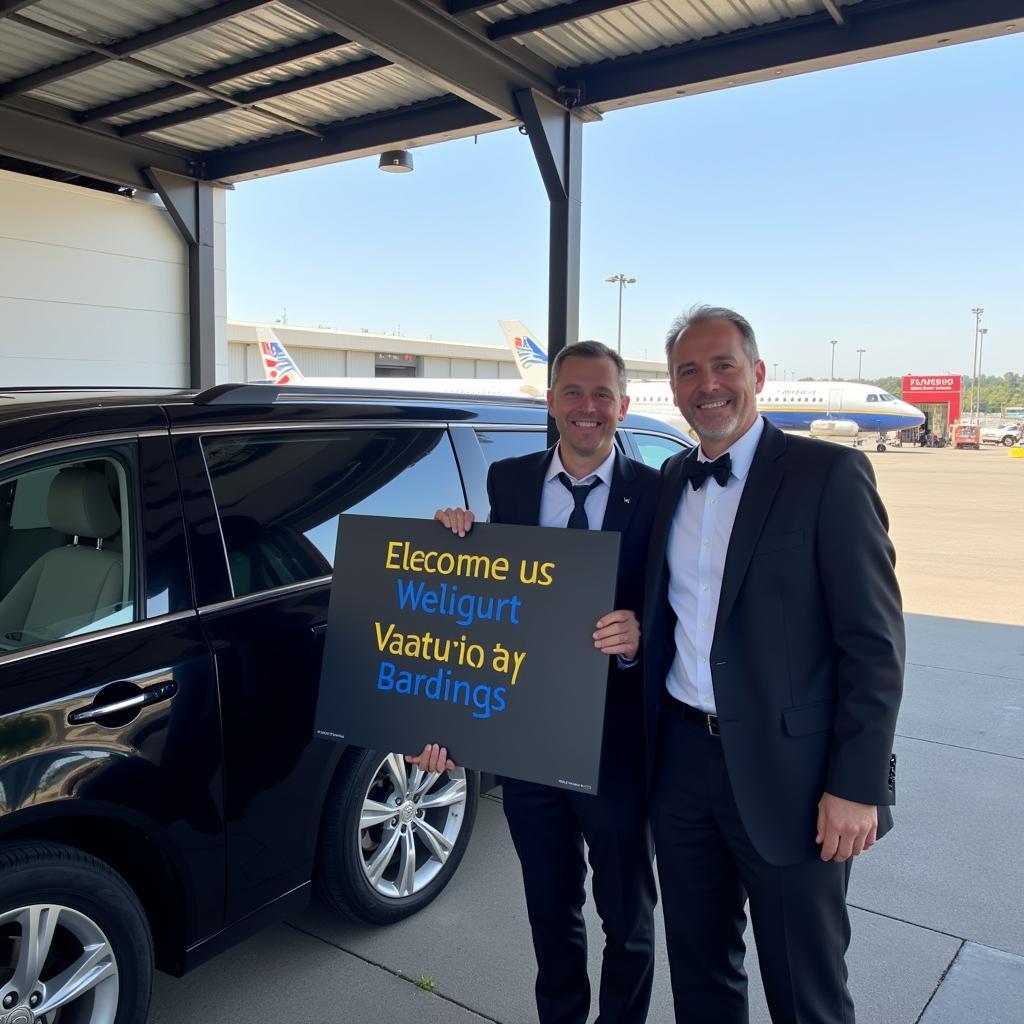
79	503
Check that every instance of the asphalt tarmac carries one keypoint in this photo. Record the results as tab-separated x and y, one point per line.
938	933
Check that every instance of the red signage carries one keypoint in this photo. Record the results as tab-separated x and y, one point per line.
920	389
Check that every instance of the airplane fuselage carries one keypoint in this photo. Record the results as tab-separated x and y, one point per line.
796	405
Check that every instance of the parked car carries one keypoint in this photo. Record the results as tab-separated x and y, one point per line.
165	564
1008	434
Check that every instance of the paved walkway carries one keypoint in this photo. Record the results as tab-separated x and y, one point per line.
938	933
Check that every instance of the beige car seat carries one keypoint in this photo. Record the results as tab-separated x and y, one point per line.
71	586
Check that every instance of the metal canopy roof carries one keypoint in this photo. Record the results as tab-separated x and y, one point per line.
225	90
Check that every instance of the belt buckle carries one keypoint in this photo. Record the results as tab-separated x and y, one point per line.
712	724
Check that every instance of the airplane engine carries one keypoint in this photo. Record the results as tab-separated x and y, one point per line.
834	428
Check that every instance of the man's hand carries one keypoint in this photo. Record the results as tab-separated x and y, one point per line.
618	633
845	828
458	520
433	759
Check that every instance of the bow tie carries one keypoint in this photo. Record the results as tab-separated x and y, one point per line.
697	472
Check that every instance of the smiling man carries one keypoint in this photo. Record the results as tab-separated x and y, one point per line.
773	647
584	483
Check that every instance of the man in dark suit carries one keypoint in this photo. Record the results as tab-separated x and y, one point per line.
773	645
583	482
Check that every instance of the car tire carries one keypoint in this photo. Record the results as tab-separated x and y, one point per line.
46	886
1007	441
880	447
381	868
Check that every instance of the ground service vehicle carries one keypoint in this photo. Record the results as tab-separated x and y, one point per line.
966	435
165	563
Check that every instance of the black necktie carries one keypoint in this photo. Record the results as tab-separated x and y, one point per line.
697	472
578	520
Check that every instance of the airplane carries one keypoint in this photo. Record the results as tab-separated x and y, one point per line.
836	409
531	361
828	408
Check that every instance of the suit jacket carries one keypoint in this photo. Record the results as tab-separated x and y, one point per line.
808	649
514	487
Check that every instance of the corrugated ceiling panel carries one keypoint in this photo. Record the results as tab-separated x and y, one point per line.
109	81
323	105
102	21
228	129
353	97
23	51
227	42
650	24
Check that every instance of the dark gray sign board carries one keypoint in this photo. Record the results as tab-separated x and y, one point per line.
483	644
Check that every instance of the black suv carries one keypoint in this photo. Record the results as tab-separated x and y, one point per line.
165	564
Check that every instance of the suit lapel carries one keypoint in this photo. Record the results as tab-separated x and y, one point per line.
766	472
622	496
528	497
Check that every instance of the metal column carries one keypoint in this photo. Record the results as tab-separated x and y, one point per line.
556	135
190	204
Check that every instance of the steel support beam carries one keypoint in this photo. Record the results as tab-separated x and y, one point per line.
556	135
873	28
274	59
249	97
429	121
422	39
13	6
133	44
190	204
46	134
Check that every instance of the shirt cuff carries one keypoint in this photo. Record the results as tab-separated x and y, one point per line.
626	662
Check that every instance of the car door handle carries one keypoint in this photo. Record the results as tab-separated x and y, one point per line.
93	713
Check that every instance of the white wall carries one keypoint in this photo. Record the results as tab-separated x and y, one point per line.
94	287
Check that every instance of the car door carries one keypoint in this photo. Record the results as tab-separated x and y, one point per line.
264	538
109	728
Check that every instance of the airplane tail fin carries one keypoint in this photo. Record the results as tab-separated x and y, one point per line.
531	359
278	366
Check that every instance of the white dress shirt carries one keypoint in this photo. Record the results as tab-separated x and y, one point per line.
556	500
697	545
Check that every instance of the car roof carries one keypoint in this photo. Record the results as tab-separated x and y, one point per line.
40	415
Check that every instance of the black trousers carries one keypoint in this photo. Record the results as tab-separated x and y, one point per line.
548	828
708	868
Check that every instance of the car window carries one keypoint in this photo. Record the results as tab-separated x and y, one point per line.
656	448
504	444
66	565
279	496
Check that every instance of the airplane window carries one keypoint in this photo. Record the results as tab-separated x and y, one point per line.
886	397
872	398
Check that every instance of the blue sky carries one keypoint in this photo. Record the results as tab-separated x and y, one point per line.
875	204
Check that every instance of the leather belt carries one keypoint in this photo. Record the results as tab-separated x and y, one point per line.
706	721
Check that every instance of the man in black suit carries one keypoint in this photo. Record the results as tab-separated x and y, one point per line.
583	482
773	645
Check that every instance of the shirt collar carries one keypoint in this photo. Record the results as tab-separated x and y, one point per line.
742	450
604	471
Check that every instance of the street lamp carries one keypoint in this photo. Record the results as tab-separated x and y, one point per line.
622	281
978	312
775	371
832	372
860	356
982	331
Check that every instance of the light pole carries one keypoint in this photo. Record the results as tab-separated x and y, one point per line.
860	356
832	372
977	311
622	281
775	371
982	331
